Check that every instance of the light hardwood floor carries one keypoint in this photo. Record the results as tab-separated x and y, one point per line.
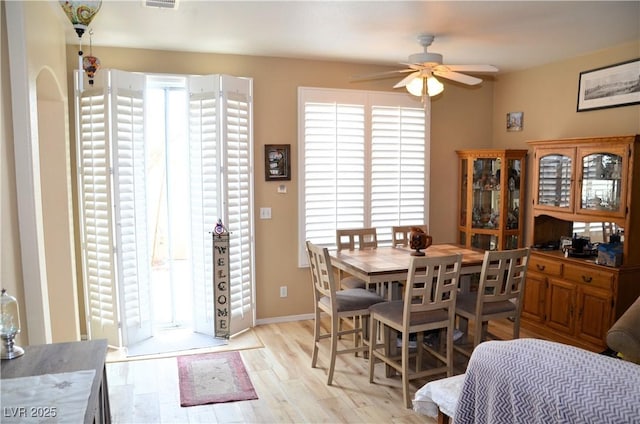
289	390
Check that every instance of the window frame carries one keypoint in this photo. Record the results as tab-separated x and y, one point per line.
369	100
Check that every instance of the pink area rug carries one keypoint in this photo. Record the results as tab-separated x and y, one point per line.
213	378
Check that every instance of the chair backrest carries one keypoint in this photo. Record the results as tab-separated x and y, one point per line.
400	234
432	284
363	238
502	276
322	275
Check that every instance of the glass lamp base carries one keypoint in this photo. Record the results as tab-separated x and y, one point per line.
9	350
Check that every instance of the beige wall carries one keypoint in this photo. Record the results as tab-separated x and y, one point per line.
10	258
37	251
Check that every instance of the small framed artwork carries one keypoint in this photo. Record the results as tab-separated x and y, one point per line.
515	121
610	86
277	162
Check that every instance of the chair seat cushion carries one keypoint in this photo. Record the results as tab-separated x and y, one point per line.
392	311
353	299
352	283
467	303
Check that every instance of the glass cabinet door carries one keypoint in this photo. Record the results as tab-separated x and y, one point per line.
464	163
512	180
486	193
602	184
555	175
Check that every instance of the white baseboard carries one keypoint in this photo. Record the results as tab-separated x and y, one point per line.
287	318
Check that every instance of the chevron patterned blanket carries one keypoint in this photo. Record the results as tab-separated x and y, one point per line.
535	381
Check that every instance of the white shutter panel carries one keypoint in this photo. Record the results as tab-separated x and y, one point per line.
334	169
96	225
397	168
236	116
205	189
129	182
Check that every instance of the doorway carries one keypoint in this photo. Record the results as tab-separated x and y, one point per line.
175	156
169	221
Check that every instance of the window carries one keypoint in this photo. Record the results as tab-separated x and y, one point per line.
363	162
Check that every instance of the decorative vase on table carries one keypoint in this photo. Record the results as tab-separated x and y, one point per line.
419	240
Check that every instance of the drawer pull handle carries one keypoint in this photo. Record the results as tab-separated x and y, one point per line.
586	279
540	267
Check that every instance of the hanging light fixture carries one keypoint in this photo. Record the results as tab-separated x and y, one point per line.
90	63
9	326
434	87
80	14
416	86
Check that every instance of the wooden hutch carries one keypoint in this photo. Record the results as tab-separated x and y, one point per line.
582	184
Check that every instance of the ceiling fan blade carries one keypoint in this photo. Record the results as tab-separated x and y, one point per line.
471	68
413	66
380	75
458	77
406	80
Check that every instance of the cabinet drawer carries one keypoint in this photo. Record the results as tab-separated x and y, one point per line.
545	266
589	276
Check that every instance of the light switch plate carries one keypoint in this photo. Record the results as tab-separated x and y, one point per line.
265	213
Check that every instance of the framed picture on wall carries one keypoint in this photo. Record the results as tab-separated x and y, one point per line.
610	86
514	121
277	162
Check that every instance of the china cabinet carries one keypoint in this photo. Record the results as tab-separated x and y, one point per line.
580	184
491	198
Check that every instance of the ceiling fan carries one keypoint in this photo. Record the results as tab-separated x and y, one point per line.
425	66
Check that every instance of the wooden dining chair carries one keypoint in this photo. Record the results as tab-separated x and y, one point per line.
350	305
350	239
499	295
429	304
400	234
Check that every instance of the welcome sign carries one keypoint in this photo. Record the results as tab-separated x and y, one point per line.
221	280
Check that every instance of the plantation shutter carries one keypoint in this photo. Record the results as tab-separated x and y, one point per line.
362	163
236	112
362	157
333	166
220	110
204	187
397	166
129	183
96	229
113	208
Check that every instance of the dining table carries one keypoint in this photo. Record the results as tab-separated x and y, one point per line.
386	264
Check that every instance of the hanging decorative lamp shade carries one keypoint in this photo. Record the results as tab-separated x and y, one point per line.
90	63
80	13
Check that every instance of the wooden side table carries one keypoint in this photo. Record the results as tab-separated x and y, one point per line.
67	357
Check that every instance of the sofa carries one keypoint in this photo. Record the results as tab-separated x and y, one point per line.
623	337
538	381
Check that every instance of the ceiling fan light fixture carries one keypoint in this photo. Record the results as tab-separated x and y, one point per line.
434	87
415	87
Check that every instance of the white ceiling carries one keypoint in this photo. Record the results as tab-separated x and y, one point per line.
511	35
